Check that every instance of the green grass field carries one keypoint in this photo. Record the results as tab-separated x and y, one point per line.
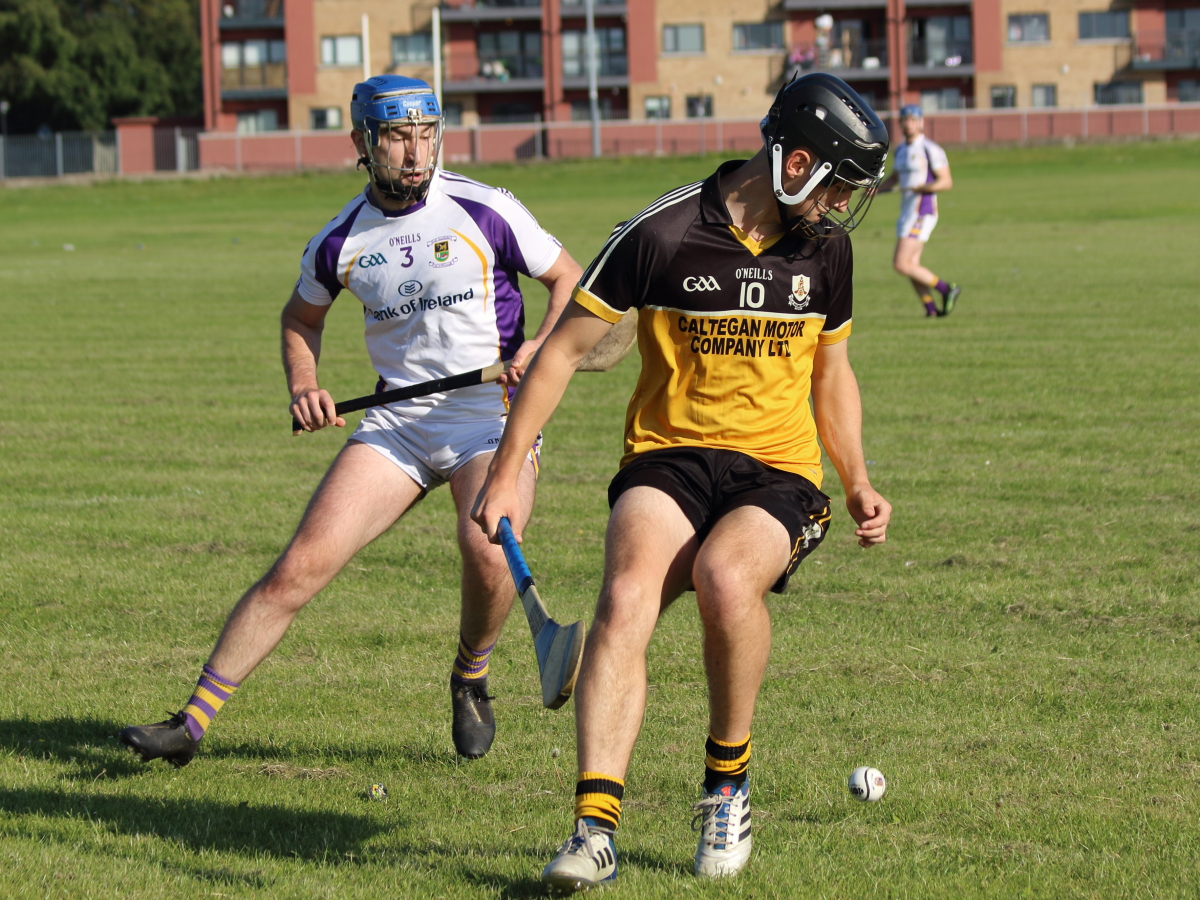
1020	658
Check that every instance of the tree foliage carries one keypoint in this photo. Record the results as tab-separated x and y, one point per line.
75	64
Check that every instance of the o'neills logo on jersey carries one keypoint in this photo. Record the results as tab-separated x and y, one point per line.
800	288
756	274
442	250
702	283
421	304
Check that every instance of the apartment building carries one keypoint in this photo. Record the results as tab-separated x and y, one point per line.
290	64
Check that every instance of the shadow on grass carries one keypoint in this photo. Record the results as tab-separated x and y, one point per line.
91	745
284	832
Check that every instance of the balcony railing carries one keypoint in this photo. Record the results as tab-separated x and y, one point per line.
944	53
252	14
268	78
862	57
506	66
1166	50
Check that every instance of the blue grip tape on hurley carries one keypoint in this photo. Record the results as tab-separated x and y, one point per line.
516	560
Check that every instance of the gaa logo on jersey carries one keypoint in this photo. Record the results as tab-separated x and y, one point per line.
800	289
441	251
372	259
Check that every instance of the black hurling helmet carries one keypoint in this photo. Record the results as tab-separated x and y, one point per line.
824	114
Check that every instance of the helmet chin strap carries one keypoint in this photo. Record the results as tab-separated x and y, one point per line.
783	199
819	173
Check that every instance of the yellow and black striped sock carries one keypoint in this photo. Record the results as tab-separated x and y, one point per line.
725	762
598	799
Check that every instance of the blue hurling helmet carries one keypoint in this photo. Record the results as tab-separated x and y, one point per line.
396	100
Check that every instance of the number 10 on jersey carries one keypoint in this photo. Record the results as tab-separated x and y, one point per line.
753	294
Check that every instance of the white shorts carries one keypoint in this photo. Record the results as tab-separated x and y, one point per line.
430	452
915	225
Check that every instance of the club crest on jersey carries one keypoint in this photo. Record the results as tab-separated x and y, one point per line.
800	288
441	251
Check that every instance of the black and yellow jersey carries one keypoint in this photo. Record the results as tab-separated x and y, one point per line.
727	326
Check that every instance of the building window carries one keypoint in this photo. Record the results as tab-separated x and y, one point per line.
699	107
659	107
683	39
1111	24
258	120
411	48
611	60
1118	92
1043	95
452	113
324	119
758	36
941	41
342	50
1004	96
1188	91
510	54
253	64
941	98
1028	28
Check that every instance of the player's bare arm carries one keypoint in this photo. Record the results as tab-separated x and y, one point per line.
543	386
560	279
838	411
302	323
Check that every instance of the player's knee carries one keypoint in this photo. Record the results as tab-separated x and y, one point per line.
724	594
627	605
292	582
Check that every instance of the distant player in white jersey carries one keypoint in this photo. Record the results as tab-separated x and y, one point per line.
922	172
433	258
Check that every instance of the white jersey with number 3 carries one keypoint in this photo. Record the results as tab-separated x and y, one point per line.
915	164
438	286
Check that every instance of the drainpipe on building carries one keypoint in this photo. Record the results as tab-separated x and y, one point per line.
366	47
593	92
435	28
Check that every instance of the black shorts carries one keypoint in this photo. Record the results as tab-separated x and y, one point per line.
708	483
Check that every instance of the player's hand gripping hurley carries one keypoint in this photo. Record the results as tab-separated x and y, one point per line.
435	386
559	648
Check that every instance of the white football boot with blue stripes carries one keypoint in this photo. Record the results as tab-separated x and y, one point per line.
723	820
587	858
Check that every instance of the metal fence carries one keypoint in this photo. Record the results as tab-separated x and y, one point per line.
61	153
176	149
282	150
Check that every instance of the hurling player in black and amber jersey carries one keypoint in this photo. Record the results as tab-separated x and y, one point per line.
742	286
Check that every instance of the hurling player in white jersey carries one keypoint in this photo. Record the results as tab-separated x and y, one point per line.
922	172
433	258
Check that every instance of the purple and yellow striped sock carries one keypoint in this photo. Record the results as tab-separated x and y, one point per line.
470	664
210	695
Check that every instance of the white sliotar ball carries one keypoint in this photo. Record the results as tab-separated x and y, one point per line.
867	784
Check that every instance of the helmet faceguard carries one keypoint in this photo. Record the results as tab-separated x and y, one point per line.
401	125
849	145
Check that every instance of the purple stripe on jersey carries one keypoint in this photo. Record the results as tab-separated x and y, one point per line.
510	308
510	314
927	205
497	232
331	248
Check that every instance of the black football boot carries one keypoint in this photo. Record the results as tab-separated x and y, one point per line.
474	726
169	740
